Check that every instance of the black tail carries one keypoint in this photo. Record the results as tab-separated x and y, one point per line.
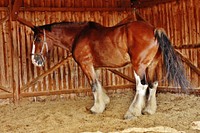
173	64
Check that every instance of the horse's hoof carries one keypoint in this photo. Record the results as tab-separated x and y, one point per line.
129	116
107	100
148	111
97	109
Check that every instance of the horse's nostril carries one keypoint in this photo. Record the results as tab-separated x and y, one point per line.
40	62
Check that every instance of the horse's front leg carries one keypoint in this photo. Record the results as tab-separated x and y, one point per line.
100	97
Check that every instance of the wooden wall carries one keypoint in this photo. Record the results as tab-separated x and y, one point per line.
19	78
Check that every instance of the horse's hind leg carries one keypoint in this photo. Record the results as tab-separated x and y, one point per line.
151	101
100	97
138	103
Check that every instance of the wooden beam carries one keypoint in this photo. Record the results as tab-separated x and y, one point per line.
15	9
25	22
145	4
5	89
71	91
5	96
170	89
81	9
187	61
122	75
35	80
187	46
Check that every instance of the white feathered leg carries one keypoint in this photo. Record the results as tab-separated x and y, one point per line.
151	102
138	103
100	98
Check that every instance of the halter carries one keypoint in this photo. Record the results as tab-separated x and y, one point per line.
43	45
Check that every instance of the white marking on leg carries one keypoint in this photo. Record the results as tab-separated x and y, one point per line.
151	102
100	99
138	103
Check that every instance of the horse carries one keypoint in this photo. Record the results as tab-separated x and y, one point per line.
95	46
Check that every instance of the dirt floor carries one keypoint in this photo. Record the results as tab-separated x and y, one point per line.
175	113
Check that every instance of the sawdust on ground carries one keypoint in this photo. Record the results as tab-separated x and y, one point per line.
62	115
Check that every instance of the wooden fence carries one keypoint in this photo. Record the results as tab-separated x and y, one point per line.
61	75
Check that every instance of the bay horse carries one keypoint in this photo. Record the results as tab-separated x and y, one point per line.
94	46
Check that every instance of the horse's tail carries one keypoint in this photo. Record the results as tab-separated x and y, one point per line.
173	64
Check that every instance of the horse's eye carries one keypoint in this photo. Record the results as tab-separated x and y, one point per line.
38	39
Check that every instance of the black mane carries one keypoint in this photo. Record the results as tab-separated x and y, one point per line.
58	24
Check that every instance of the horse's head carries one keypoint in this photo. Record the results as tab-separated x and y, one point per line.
40	47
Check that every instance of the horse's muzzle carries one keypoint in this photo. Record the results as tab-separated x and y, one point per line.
38	60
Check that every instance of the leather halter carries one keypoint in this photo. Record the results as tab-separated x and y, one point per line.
43	46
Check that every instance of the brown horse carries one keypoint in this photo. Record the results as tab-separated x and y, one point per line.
93	46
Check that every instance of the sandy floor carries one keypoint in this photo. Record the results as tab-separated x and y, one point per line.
71	116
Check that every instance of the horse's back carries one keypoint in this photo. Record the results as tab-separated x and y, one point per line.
112	46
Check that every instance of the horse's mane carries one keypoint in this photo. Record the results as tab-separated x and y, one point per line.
59	24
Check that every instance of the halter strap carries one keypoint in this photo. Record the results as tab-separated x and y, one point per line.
44	42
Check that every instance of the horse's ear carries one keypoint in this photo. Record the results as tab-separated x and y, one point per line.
34	29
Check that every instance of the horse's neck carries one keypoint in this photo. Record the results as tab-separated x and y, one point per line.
65	35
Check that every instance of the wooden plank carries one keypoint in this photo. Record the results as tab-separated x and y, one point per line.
71	9
5	96
15	9
15	62
5	64
23	55
2	59
198	32
18	50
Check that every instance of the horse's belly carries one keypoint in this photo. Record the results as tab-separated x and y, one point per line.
112	59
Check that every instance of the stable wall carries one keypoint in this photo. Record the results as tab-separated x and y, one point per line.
19	78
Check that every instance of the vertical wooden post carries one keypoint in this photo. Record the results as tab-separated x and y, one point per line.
11	46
